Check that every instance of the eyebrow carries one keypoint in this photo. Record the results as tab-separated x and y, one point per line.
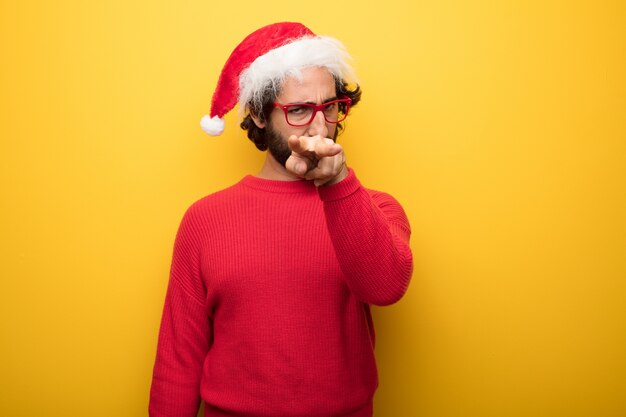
315	104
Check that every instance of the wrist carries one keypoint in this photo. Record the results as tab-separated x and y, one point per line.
339	177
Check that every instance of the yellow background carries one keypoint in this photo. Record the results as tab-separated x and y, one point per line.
500	126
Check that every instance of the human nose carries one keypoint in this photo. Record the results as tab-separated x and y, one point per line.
318	125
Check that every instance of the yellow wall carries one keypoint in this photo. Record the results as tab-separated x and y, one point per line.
499	125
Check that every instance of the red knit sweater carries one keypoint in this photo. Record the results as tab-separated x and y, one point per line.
267	308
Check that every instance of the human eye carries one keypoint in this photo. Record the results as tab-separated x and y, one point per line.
330	107
298	113
297	109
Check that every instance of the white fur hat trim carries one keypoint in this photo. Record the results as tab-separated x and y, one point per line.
288	60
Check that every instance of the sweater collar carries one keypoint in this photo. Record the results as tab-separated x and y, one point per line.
275	186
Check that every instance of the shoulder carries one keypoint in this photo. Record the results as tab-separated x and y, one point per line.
352	184
218	199
382	198
391	207
385	201
212	207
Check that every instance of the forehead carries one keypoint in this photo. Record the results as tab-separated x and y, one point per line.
316	85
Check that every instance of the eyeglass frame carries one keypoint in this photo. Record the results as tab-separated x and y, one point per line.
316	107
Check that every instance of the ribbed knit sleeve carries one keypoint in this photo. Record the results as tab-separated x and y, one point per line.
370	233
185	334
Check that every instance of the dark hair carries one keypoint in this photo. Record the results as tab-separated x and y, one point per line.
257	134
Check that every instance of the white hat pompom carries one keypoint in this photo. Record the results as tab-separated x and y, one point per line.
213	126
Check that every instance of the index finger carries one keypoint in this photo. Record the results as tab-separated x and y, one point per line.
300	144
316	145
327	147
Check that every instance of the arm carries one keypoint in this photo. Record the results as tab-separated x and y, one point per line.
370	233
185	335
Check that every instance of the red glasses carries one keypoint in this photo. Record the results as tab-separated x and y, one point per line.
301	114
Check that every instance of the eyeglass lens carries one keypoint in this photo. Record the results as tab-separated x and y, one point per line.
303	114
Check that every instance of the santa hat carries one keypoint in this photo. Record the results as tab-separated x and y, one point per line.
266	57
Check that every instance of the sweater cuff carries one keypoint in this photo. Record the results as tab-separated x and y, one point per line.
342	189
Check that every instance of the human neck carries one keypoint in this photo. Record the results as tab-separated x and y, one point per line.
273	170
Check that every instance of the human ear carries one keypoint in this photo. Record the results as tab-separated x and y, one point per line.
257	121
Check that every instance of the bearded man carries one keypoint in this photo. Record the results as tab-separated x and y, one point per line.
267	311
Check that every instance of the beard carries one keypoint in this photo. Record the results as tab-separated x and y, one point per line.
278	146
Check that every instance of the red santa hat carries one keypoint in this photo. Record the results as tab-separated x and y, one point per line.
266	57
